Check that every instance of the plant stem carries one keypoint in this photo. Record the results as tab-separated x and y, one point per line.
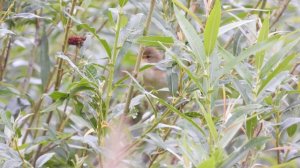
112	62
4	57
64	47
10	8
59	71
278	13
277	132
139	58
66	116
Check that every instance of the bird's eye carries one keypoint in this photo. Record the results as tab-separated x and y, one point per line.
147	56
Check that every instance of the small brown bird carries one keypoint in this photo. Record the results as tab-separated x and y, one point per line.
154	78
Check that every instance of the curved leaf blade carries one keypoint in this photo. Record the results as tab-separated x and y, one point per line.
212	28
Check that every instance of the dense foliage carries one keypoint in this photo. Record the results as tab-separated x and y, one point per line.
71	93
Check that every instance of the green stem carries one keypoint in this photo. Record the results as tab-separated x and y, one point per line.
138	61
111	64
277	141
59	72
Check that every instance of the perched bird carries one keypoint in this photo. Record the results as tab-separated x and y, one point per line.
154	78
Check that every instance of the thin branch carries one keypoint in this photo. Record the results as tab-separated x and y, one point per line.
138	61
278	13
59	70
6	56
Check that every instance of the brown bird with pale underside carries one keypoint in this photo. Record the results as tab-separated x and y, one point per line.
153	78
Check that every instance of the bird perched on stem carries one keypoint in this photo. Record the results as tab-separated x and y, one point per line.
154	78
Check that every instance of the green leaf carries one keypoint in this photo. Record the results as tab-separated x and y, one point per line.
28	16
58	95
242	152
195	42
185	68
44	59
7	90
43	159
66	58
250	127
212	28
230	26
269	65
263	35
193	114
81	86
52	106
211	163
172	79
283	66
230	131
291	130
122	2
215	158
155	40
211	125
231	61
290	124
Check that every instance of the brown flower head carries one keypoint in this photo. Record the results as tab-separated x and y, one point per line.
76	40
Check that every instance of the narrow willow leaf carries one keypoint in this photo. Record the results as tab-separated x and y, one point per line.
283	66
43	159
250	126
230	131
211	125
292	130
172	79
289	122
80	121
215	157
29	16
209	121
263	35
208	163
62	56
155	40
230	26
273	84
81	85
241	112
192	36
232	61
269	65
242	152
122	2
191	149
186	69
58	95
52	106
44	59
212	28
